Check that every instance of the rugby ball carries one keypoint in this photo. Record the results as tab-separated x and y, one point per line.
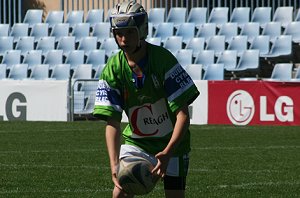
135	175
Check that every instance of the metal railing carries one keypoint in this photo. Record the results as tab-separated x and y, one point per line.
10	11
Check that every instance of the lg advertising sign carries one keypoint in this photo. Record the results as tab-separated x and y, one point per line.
241	108
15	107
254	103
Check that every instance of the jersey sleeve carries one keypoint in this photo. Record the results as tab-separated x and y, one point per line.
108	101
178	85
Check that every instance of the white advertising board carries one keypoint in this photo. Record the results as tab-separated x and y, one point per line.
33	100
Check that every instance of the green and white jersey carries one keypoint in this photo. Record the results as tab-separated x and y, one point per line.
150	109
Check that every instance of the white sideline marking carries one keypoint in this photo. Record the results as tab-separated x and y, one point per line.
246	147
50	166
235	171
52	151
67	190
45	130
256	184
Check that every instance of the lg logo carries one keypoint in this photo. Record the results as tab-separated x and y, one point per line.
15	108
241	108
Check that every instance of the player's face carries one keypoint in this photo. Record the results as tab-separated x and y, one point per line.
127	39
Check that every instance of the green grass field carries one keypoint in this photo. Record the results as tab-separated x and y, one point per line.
69	159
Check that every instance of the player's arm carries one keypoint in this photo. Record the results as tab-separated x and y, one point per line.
113	138
181	126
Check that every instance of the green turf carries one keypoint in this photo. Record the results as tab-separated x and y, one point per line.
69	159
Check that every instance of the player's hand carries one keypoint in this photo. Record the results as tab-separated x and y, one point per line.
115	180
162	164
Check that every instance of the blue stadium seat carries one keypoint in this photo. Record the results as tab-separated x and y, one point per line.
261	15
273	29
33	16
228	58
45	44
156	16
214	72
261	43
54	17
195	71
2	71
218	15
40	72
207	30
4	30
59	30
240	15
281	72
184	57
238	43
18	72
249	61
39	30
80	30
164	30
11	57
229	30
74	17
96	58
284	15
216	43
293	29
98	71
251	30
154	40
94	16
205	58
173	43
53	57
19	30
32	58
196	44
109	45
67	44
177	15
61	72
75	58
186	31
83	71
87	44
197	15
6	43
282	46
25	44
101	31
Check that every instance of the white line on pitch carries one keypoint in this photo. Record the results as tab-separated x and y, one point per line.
256	184
246	147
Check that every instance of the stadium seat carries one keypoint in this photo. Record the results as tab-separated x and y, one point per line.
176	15
39	30
4	30
195	71
32	58
79	100
261	43
173	43
297	15
284	15
281	46
197	15
205	58
98	71
87	44
2	71
83	71
18	72
74	17
61	72
273	29
6	43
101	31
281	72
196	44
89	107
218	15
11	57
107	17
109	45
67	44
186	31
94	16
80	30
229	30
154	40
96	58
45	44
54	17
164	30
228	58
293	29
33	16
40	72
19	30
238	43
214	72
240	15
261	15
297	75
53	57
59	30
25	44
251	30
249	61
216	43
75	58
184	57
150	30
207	30
156	16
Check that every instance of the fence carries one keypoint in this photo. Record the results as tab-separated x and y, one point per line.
10	11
